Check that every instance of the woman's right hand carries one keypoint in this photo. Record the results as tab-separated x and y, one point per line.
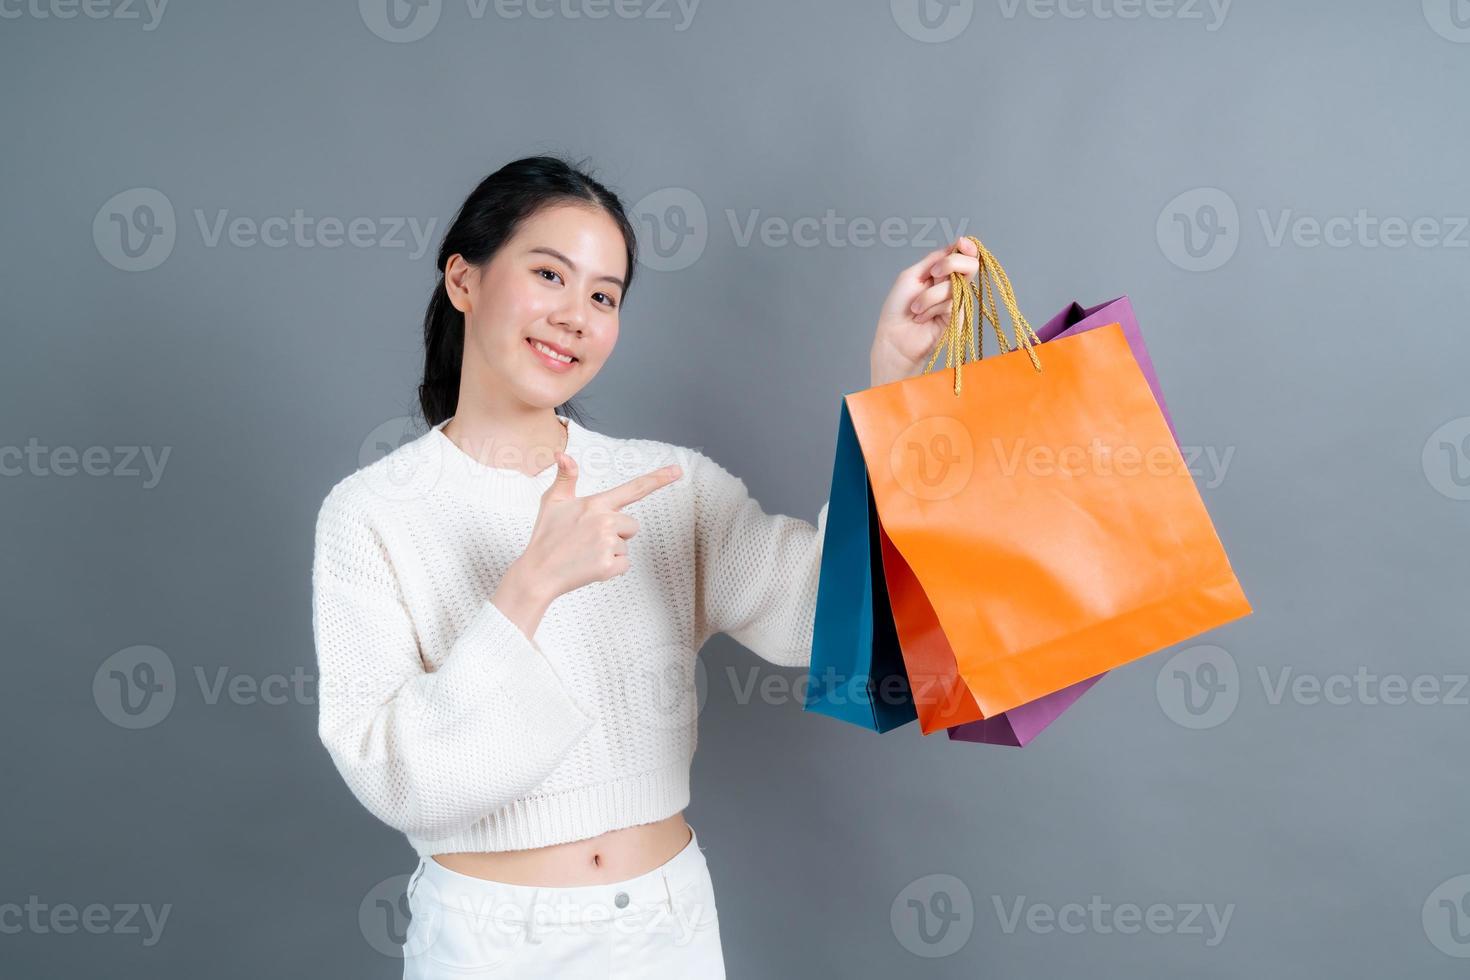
578	540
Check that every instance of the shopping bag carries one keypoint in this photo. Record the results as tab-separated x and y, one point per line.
1020	725
941	698
856	672
1046	511
1075	319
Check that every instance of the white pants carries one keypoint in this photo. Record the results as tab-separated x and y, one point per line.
660	924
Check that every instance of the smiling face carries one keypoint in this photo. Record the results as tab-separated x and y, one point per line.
558	281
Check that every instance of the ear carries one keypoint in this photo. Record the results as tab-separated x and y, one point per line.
459	281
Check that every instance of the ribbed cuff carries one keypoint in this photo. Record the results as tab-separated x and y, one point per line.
494	657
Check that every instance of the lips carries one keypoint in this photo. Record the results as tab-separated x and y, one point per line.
556	347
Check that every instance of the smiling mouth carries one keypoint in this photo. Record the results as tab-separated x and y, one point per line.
541	348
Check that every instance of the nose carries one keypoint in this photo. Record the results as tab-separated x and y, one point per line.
572	314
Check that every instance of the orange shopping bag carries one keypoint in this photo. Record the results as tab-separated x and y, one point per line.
1043	506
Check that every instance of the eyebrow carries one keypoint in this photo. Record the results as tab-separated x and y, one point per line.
548	250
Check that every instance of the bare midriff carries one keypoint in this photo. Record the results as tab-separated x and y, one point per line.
611	857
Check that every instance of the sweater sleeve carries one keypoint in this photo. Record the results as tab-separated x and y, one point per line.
756	573
427	752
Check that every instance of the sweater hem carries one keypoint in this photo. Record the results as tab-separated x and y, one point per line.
569	815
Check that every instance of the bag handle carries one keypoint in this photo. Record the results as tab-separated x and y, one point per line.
966	297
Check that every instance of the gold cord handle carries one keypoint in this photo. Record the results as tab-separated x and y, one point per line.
960	338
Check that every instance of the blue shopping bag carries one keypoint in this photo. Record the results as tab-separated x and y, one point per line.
856	673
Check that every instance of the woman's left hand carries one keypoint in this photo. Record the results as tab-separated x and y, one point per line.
916	311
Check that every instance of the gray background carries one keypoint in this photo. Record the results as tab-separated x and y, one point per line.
1334	833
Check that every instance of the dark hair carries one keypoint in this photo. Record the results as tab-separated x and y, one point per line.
486	220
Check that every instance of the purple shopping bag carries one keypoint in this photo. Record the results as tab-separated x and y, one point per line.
1020	725
1074	320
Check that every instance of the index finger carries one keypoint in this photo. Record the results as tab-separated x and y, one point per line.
638	487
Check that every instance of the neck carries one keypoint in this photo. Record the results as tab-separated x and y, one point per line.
525	441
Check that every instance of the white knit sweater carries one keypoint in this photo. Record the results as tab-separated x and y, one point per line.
453	726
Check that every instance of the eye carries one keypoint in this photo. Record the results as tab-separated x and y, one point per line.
551	271
612	304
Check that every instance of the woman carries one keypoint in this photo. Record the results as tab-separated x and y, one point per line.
504	676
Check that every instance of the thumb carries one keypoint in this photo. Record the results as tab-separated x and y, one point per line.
565	484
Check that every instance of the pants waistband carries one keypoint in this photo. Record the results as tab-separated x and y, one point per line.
667	886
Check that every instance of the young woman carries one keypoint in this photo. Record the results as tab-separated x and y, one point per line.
505	675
